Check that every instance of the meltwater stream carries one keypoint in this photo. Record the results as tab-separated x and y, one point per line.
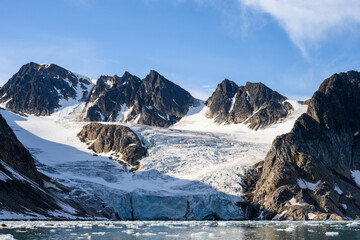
179	230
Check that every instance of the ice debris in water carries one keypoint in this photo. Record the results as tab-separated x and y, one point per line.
202	234
332	233
6	237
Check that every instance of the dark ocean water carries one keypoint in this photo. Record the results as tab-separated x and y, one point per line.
180	230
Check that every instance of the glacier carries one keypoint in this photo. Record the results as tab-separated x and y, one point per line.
193	170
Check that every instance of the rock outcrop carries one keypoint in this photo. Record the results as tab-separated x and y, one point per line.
254	104
313	172
153	101
120	140
40	89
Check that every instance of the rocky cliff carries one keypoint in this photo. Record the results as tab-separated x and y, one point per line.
23	190
120	140
15	155
111	96
153	101
254	104
40	89
313	171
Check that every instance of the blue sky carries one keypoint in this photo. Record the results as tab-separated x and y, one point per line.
291	46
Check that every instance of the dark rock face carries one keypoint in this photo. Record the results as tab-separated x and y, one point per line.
110	96
22	187
253	104
15	155
38	89
153	101
117	138
308	173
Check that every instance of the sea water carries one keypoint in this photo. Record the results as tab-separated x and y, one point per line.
180	230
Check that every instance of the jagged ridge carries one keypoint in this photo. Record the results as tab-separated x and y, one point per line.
41	89
254	104
153	101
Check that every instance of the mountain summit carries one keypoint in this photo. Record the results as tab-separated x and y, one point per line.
254	104
41	89
153	101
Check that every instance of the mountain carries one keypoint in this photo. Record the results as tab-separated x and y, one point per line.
312	172
254	104
41	89
153	101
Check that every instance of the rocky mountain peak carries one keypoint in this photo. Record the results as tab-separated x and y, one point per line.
316	163
254	104
152	101
129	76
154	79
221	100
40	89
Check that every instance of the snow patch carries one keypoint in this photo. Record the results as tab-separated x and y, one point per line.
120	115
109	83
293	202
338	190
307	185
4	177
248	98
233	102
127	113
356	176
161	116
137	118
278	217
3	104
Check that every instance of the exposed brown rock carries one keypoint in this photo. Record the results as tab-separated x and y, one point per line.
120	139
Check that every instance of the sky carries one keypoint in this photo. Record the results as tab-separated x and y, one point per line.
289	45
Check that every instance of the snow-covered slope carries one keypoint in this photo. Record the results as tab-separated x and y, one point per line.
193	169
197	120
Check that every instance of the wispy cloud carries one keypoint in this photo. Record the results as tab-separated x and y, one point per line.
309	21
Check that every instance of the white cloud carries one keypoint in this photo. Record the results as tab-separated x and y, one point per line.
310	21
